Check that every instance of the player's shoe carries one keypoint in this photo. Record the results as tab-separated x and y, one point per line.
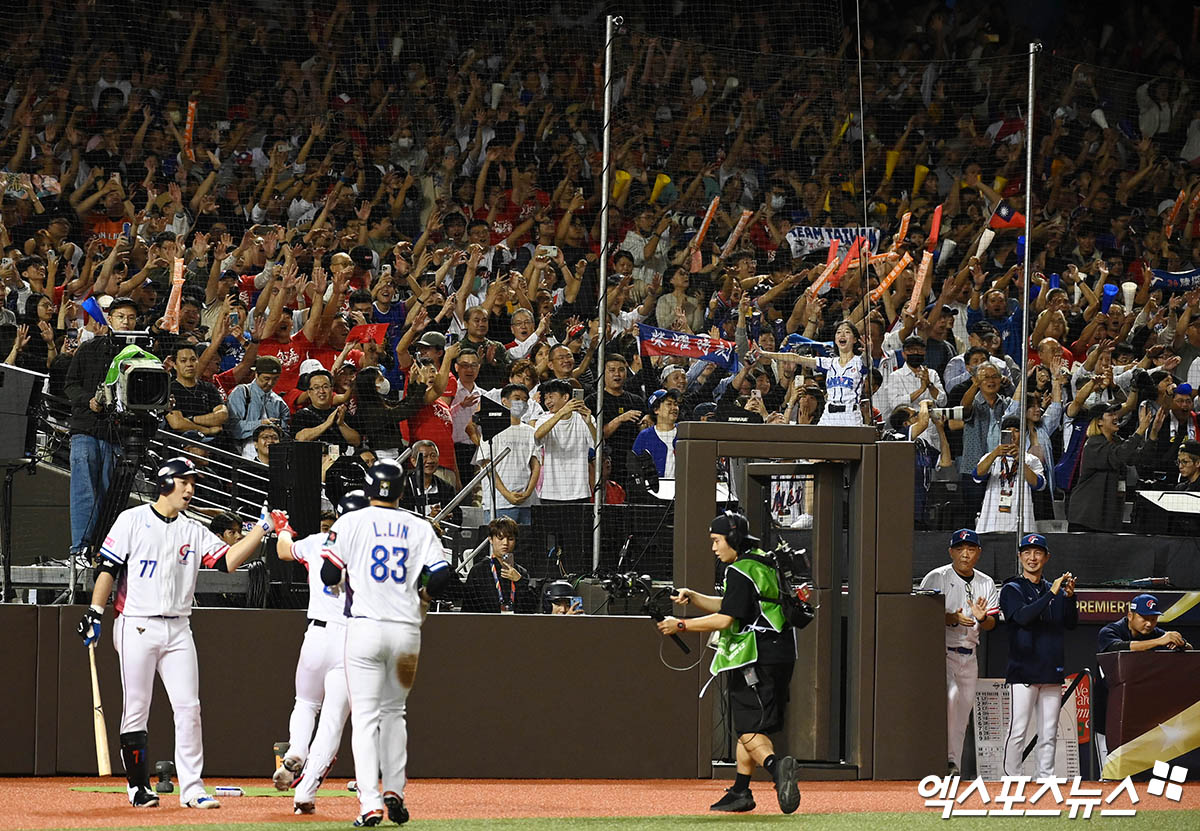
204	802
396	811
285	774
734	802
304	808
786	787
352	786
144	798
951	768
369	820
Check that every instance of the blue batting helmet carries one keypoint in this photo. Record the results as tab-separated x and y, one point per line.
173	469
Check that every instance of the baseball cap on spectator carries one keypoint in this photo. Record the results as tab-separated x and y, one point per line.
982	329
455	218
1145	605
1165	205
435	340
267	364
657	396
1184	389
964	536
362	256
702	410
1033	541
307	367
668	371
1098	410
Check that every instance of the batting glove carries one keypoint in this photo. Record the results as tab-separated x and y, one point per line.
89	625
272	521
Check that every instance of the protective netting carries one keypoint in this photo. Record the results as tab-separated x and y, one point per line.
435	171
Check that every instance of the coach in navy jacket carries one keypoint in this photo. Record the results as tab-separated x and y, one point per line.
1037	612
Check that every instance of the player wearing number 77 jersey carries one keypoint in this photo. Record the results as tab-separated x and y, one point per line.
393	565
153	554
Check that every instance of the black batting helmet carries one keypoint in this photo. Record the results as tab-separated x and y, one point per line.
383	480
352	501
173	469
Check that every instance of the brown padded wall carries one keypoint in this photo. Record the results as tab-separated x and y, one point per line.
18	657
495	697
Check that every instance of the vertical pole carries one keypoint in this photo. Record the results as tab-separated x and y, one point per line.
1022	507
865	395
610	23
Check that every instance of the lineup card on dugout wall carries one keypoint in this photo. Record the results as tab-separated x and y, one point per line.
992	703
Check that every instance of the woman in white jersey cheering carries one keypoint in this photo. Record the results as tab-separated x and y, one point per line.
844	376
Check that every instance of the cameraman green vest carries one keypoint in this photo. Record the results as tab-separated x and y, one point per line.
737	646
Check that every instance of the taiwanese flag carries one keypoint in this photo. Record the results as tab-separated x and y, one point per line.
655	341
1007	218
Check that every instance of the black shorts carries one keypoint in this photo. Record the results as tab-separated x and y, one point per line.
759	709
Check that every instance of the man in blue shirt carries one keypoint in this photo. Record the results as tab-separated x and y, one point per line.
1138	631
1037	613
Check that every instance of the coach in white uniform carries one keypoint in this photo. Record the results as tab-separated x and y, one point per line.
320	672
153	554
393	564
972	603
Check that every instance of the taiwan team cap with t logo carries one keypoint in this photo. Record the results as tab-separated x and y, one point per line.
964	536
1145	605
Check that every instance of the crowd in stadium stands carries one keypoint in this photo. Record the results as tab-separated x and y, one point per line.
376	235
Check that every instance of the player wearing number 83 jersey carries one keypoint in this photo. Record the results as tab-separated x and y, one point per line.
393	563
384	552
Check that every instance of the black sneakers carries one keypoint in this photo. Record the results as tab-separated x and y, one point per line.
786	787
396	811
734	802
144	798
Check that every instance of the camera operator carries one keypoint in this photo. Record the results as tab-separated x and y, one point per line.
94	436
757	648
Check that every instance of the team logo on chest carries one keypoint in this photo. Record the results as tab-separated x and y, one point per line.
185	551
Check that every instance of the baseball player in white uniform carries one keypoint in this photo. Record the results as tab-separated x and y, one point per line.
393	564
152	554
320	672
845	376
972	604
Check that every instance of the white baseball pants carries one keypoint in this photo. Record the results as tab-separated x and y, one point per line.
381	663
334	710
149	644
321	648
962	677
1036	703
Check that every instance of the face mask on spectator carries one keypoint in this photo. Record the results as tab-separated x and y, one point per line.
405	143
383	386
914	361
777	201
519	407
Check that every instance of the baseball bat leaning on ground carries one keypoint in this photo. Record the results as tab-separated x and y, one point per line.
103	767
